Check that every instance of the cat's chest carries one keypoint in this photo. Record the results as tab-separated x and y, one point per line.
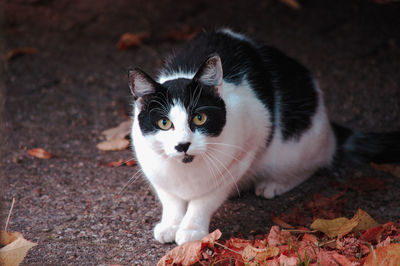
184	180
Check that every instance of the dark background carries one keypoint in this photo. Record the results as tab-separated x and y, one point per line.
75	86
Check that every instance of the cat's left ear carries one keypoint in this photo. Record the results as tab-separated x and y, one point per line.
210	73
140	83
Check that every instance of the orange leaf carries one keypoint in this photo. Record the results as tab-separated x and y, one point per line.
131	163
292	3
188	253
388	256
129	40
20	51
389	168
252	254
40	153
276	237
280	222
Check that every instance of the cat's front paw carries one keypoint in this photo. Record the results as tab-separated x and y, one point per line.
165	233
184	235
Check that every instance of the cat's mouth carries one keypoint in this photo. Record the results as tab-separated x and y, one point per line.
187	158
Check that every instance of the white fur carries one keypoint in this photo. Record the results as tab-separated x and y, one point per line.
163	78
190	193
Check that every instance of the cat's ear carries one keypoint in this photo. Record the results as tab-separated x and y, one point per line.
140	83
210	73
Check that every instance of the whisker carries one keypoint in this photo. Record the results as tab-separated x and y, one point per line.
233	157
207	107
130	181
213	174
227	170
229	145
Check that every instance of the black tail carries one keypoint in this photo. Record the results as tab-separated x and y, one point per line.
367	147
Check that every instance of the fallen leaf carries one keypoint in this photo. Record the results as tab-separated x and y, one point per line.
113	145
341	226
258	255
20	51
362	184
372	234
129	40
185	34
131	163
333	258
120	132
364	221
40	153
190	252
278	221
119	163
387	256
287	261
334	227
13	248
389	168
292	3
276	237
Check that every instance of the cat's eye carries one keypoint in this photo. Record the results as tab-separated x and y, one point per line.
164	123
199	119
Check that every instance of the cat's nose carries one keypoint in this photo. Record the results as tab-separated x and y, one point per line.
182	147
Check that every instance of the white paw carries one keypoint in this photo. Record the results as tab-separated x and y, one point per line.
184	235
165	233
270	189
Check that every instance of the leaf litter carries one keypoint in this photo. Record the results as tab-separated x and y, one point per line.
13	245
340	241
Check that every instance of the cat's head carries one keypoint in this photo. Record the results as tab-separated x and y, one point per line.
180	116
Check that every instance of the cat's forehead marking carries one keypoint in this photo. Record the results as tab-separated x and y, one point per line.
178	115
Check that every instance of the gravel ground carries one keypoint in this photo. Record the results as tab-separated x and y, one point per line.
75	86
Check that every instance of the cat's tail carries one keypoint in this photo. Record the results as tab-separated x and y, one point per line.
367	147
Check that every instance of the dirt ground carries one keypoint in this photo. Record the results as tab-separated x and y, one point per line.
62	97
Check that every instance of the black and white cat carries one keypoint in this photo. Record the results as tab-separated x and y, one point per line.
226	111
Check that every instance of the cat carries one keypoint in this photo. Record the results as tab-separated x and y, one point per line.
227	111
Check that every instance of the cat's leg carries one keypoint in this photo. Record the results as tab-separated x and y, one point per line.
269	188
194	225
173	211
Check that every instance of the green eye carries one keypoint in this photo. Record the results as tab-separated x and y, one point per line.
199	119
164	123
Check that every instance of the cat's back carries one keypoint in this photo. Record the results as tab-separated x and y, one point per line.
239	55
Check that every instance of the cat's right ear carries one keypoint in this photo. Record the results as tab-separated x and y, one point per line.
140	83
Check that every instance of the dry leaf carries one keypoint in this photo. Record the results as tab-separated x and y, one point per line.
129	40
119	163
276	237
364	221
14	248
250	253
389	168
292	3
20	51
190	252
40	153
341	226
120	132
113	145
278	221
333	227
387	256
